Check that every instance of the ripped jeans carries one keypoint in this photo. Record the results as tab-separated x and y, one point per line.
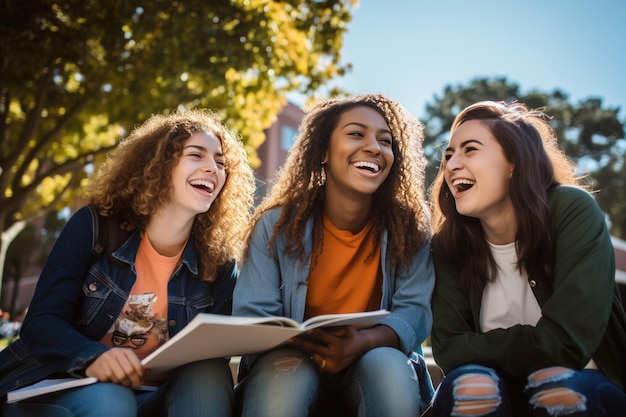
475	390
286	383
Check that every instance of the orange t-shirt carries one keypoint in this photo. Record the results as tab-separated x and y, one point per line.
142	323
346	276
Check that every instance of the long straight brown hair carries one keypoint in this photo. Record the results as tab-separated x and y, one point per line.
530	144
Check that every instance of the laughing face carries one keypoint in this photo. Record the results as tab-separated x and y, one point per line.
200	174
360	153
477	173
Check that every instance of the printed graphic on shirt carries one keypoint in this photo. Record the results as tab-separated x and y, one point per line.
138	327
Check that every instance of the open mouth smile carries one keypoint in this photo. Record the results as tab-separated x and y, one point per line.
203	185
462	184
369	166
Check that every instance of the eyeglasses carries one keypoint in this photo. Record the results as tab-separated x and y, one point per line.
137	340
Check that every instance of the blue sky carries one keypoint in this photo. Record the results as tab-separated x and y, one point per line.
411	49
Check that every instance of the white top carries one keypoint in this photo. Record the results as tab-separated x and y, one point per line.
508	300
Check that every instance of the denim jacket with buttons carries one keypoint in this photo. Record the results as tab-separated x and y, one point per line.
75	304
274	282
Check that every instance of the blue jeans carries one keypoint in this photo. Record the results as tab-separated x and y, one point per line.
475	390
203	388
286	383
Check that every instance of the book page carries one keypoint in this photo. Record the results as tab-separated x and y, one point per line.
210	336
359	320
46	386
244	321
53	385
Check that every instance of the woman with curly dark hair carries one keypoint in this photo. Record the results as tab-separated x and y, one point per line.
527	315
180	191
344	229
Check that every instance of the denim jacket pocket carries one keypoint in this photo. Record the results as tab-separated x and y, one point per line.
184	308
96	290
201	303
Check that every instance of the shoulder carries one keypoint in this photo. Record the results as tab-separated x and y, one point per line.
84	213
264	225
82	220
575	213
271	215
568	193
568	198
77	238
269	218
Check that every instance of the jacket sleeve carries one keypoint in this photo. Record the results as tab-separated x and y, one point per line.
411	315
222	290
48	330
575	313
258	289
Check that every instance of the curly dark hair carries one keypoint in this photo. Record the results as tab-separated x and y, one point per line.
135	182
530	144
399	205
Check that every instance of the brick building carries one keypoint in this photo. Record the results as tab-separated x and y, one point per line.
278	139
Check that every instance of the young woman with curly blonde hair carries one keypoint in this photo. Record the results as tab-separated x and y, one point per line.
181	188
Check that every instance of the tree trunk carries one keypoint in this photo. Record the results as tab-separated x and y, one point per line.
7	237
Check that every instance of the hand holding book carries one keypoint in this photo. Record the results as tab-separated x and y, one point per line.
210	336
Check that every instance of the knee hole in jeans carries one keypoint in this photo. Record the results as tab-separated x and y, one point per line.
556	400
287	364
475	395
555	373
558	396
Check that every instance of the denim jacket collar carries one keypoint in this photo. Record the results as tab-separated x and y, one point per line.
126	253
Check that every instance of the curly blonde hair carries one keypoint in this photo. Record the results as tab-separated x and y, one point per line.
135	182
399	205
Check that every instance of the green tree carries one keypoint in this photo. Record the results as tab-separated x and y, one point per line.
591	134
76	75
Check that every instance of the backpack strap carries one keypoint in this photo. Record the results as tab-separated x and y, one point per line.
97	246
107	235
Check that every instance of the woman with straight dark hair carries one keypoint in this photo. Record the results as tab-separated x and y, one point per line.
527	315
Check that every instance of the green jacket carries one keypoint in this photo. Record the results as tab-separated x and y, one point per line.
582	316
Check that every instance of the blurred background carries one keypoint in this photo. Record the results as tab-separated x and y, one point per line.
77	75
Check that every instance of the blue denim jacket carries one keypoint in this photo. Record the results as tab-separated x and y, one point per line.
274	283
72	309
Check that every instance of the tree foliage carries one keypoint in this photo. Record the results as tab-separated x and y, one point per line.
591	134
76	75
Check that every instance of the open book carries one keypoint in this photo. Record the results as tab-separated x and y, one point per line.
216	336
210	336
